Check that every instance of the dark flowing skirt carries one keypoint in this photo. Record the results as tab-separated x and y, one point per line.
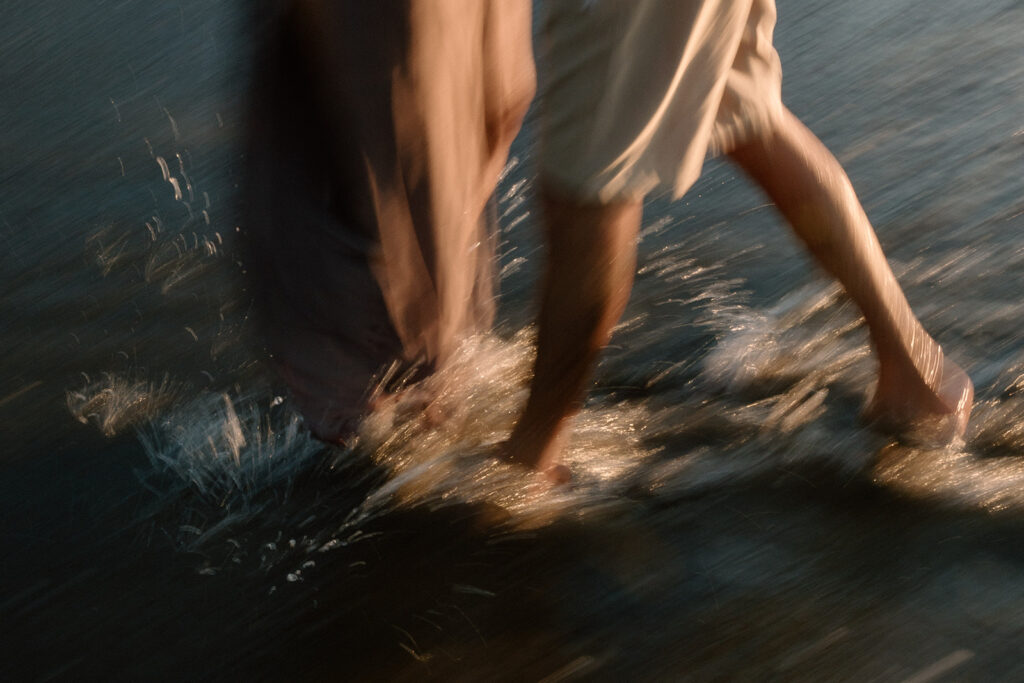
376	136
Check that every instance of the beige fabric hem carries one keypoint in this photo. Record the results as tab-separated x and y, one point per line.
636	93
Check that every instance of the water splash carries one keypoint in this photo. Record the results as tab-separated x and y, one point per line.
115	403
231	452
479	396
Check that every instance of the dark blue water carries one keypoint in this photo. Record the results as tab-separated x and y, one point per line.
164	516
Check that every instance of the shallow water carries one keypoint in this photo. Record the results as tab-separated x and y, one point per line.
164	515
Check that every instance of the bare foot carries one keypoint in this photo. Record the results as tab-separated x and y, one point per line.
906	406
403	406
409	402
558	474
532	454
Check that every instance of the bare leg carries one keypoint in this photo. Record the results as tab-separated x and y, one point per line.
915	382
591	261
372	157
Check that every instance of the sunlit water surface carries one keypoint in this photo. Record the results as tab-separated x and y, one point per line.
729	516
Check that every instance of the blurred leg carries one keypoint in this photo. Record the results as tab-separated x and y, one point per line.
810	188
384	128
591	260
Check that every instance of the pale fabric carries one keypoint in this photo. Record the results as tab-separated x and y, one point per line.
637	91
378	132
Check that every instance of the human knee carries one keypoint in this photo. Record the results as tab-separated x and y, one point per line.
504	121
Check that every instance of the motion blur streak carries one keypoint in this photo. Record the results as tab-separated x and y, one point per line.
729	516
